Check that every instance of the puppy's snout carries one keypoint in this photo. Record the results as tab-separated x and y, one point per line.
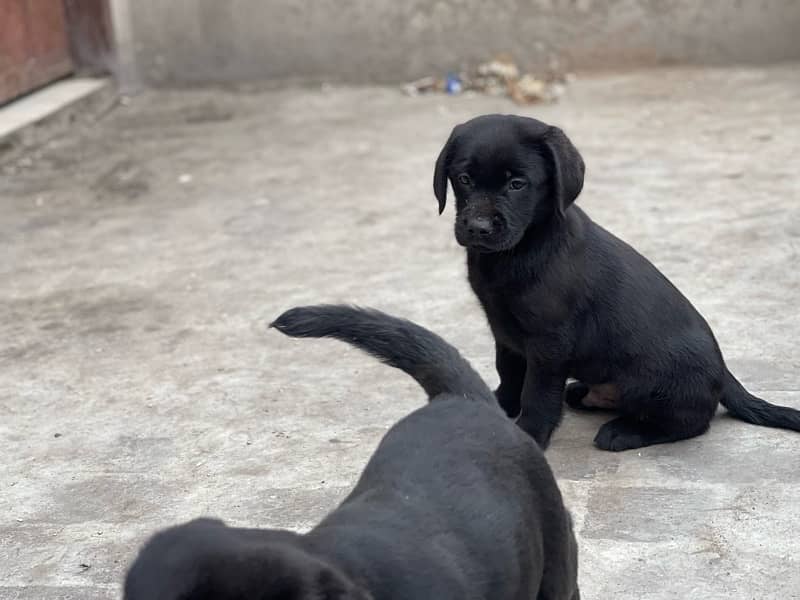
480	230
479	227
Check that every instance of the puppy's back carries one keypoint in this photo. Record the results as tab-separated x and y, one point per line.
454	488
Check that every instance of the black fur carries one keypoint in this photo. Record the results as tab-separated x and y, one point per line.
565	298
457	503
432	362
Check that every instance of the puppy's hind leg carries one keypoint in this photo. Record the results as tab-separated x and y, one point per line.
581	396
511	368
628	433
574	394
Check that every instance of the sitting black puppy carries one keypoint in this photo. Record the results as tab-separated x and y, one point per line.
456	503
566	299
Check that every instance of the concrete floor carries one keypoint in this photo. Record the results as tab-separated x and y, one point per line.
144	256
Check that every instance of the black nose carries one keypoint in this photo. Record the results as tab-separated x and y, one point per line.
479	227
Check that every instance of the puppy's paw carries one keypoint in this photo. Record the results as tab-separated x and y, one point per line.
619	434
540	433
510	403
574	394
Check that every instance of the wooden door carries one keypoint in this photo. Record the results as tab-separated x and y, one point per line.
34	47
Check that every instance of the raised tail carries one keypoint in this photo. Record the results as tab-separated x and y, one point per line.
432	362
752	409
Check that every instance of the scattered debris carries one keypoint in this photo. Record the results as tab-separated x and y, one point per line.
501	67
453	84
499	77
424	85
529	90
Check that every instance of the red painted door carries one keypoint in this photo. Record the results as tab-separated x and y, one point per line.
34	48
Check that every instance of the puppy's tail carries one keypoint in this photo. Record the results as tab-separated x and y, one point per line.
752	409
432	362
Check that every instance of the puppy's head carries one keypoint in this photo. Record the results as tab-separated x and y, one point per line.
206	560
508	173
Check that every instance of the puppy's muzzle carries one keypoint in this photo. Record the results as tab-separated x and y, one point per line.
480	229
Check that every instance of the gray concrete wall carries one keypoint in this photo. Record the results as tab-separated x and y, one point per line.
203	41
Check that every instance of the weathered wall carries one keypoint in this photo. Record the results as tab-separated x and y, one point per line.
186	41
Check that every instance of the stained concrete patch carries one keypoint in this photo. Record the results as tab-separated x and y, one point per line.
651	514
57	592
298	510
712	458
140	385
77	558
576	458
110	498
762	376
126	180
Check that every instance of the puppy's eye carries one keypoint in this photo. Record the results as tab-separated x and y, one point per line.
464	179
516	184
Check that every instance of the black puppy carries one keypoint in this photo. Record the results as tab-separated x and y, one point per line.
456	503
565	298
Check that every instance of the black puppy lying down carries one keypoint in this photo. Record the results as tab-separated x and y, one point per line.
456	503
565	298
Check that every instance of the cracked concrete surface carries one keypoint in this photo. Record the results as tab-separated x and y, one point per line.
144	256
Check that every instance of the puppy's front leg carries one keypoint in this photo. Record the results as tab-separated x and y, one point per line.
542	402
511	368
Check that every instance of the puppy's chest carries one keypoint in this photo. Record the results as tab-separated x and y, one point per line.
517	314
506	327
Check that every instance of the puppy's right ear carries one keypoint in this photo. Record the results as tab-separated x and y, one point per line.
567	168
440	173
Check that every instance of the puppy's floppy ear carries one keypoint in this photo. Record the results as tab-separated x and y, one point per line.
440	173
567	168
